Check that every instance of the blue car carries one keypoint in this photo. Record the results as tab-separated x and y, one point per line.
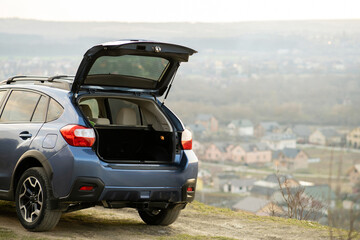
102	137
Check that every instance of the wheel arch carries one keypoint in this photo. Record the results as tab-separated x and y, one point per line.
31	158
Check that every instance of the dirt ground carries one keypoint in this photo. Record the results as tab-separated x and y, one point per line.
195	222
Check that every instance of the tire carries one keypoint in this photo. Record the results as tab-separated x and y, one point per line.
32	198
162	217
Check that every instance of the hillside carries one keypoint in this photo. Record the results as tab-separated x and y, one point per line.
19	37
293	72
197	221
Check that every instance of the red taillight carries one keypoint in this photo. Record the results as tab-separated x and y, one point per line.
186	140
78	136
86	188
190	189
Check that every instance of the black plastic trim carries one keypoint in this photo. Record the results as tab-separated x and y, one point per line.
189	196
85	196
9	195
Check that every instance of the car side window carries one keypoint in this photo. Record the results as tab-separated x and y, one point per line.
2	95
54	111
40	111
20	106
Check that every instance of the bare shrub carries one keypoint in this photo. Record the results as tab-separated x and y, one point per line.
299	205
340	217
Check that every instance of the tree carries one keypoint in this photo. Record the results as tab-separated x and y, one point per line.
299	205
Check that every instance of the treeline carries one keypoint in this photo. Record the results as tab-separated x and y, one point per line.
311	99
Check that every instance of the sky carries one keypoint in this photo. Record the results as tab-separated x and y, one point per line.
179	11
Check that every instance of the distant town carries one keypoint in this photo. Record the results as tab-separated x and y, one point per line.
250	171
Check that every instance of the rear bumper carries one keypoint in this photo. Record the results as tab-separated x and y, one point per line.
125	184
119	196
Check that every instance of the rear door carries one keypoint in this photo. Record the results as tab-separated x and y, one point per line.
130	66
22	116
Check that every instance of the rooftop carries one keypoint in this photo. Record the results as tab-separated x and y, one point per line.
204	117
253	147
288	152
269	126
329	132
279	137
242	123
251	204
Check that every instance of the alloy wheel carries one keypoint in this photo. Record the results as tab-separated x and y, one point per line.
31	199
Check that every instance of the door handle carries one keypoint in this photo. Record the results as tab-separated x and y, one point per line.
25	135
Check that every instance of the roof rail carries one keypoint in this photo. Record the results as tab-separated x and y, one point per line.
25	78
34	78
51	79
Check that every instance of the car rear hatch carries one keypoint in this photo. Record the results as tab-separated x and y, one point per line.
130	66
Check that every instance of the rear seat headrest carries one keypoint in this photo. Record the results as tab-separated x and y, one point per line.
101	121
86	110
126	116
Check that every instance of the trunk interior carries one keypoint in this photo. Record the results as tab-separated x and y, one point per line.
135	144
129	129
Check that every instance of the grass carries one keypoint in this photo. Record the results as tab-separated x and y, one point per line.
348	159
88	218
195	209
6	234
190	237
7	206
207	210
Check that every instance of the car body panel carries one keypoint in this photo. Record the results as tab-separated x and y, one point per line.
12	147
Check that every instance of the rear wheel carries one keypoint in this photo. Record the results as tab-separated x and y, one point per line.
33	201
162	217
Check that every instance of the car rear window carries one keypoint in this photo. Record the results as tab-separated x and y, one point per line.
147	67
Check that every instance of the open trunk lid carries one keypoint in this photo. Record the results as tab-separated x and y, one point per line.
130	66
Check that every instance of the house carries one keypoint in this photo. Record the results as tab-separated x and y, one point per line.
205	177
271	184
290	159
285	180
286	130
258	206
311	201
264	128
278	141
210	123
250	153
222	178
216	152
237	185
242	127
198	148
325	137
302	133
353	138
237	153
354	174
257	153
264	189
197	130
322	193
